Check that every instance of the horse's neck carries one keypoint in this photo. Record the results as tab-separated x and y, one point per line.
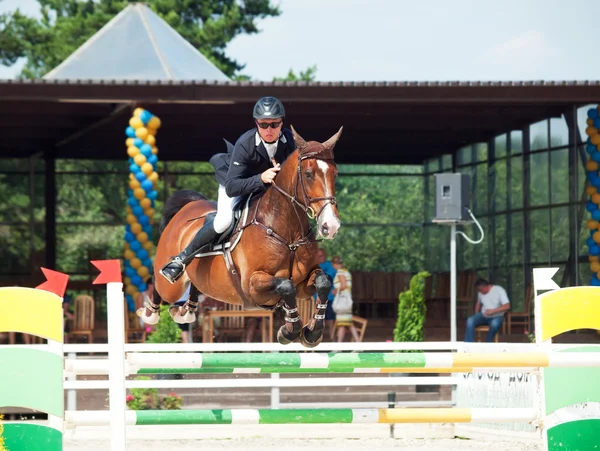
278	211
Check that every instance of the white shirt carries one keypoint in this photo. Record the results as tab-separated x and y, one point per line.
493	299
271	147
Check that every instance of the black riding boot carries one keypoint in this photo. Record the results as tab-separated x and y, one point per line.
175	268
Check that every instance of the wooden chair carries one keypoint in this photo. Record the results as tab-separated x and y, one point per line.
521	318
480	331
465	293
83	321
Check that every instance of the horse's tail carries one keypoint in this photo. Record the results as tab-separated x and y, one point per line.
175	203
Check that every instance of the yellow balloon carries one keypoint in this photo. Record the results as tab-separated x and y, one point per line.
596	198
154	150
595	266
596	237
128	254
153	177
136	122
142	237
150	140
589	121
129	142
591	224
139	193
139	159
130	290
591	165
149	212
145	203
141	133
126	246
595	139
136	263
147	168
590	190
143	271
133	184
154	123
133	151
591	131
131	219
148	245
127	281
131	176
136	228
138	112
593	258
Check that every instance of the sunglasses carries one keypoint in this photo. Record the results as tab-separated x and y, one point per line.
266	125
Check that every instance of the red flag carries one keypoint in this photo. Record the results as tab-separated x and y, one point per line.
110	271
56	282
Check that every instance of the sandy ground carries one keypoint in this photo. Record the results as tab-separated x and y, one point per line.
322	437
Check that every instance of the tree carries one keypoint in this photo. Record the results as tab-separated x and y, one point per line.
308	75
66	24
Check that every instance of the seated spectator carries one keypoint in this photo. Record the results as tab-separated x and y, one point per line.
492	302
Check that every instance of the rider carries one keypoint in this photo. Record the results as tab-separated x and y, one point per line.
248	167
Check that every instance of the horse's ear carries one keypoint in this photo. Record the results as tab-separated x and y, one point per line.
331	142
300	143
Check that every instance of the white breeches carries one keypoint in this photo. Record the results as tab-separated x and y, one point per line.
224	214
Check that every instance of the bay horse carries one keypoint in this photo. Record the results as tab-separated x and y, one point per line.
274	258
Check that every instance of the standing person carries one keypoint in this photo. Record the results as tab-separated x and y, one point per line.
248	167
492	302
342	301
330	272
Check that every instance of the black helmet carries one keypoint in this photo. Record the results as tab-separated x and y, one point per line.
268	108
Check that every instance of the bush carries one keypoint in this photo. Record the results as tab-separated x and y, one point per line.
412	310
167	330
148	399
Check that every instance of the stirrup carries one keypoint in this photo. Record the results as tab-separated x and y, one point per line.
177	259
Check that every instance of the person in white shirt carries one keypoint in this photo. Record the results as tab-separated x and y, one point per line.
492	302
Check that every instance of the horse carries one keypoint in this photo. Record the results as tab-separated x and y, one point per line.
270	260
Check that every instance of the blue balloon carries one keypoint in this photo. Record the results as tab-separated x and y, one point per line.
137	211
597	122
146	116
134	168
590	148
128	264
141	287
147	263
130	132
595	156
147	185
591	174
131	161
130	303
153	159
136	245
595	282
130	272
590	206
594	250
590	242
152	195
146	150
592	113
143	219
140	176
132	202
593	179
136	280
147	229
137	142
142	254
129	237
596	182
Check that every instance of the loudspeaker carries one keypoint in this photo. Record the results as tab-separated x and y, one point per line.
452	196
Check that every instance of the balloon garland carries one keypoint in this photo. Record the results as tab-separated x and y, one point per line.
593	177
141	197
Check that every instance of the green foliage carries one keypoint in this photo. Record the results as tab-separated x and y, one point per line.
148	399
167	330
66	24
308	75
412	310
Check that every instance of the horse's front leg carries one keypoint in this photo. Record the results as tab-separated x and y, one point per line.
312	333
186	313
262	283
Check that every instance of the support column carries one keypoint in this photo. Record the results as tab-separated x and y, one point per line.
50	197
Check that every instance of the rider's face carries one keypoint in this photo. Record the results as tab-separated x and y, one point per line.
269	134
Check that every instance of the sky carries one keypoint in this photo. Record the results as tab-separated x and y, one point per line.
416	40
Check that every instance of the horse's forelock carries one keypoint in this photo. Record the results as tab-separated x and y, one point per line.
314	149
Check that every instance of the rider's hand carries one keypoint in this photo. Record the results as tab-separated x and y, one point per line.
269	175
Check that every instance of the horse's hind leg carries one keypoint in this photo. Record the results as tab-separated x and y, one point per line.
186	313
312	332
262	282
150	313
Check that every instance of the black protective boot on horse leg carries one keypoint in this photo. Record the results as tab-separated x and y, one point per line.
285	288
173	270
312	337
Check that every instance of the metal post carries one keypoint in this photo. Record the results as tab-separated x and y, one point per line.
453	282
72	394
275	392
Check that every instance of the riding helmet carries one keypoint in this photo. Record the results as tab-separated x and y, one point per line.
268	108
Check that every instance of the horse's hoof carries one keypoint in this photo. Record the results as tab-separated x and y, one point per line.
152	319
286	340
310	342
188	317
